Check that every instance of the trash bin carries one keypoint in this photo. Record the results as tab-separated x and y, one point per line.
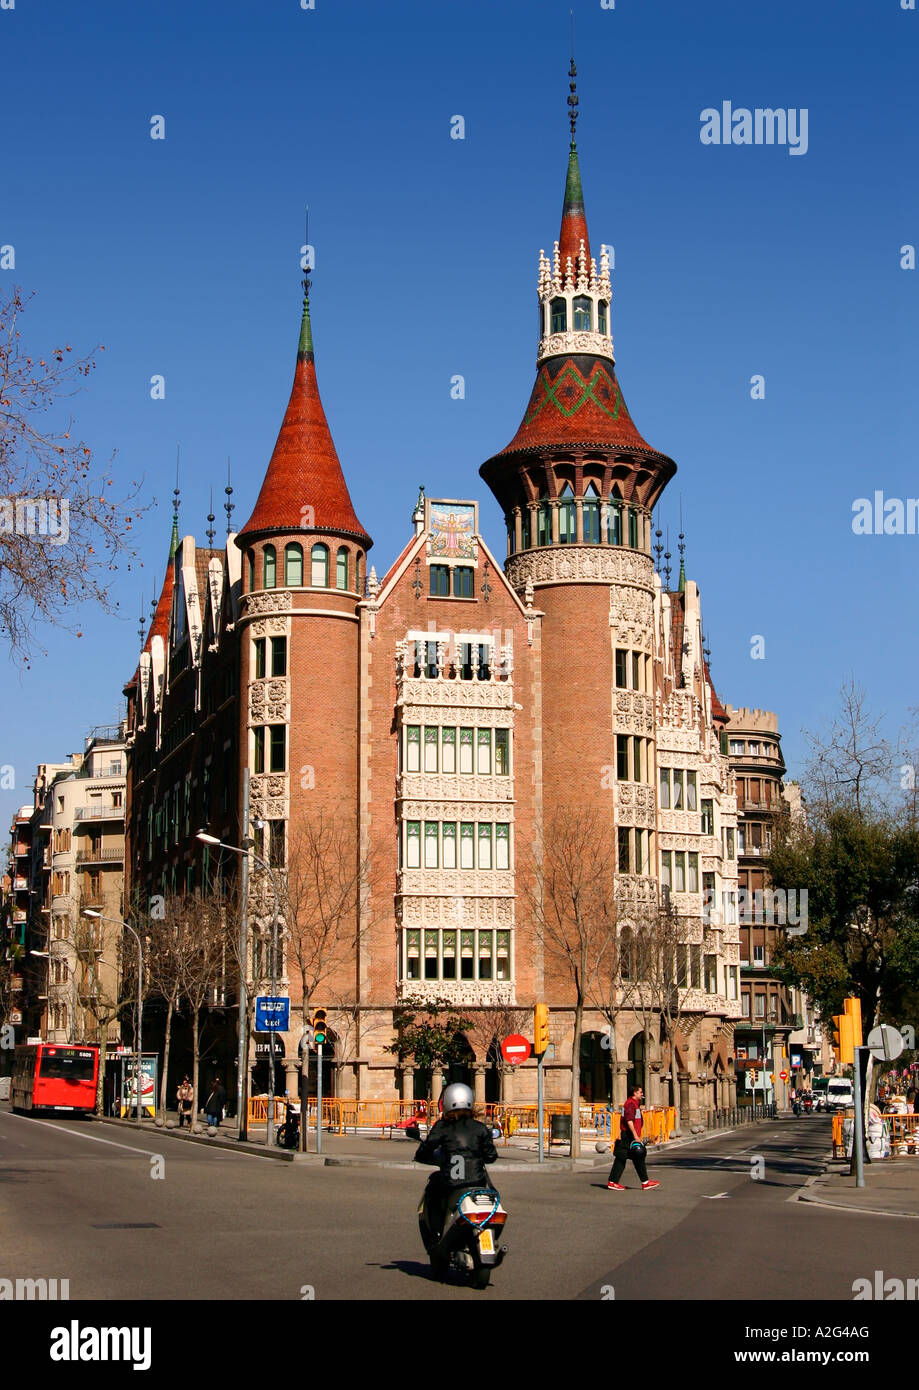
559	1128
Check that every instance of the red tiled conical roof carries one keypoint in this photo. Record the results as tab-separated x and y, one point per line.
304	488
576	400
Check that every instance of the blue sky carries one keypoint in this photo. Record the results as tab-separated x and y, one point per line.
181	257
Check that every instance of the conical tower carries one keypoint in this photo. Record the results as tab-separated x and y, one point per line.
303	576
577	485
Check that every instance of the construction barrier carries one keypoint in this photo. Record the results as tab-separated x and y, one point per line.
389	1117
903	1131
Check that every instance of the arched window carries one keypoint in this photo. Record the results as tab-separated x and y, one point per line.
293	566
341	569
567	533
559	316
543	523
591	515
602	320
269	567
357	571
525	536
633	528
614	520
320	567
582	314
251	558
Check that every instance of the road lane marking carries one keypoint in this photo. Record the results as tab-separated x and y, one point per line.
714	1198
94	1138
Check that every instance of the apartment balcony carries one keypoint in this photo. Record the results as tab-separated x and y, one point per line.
99	813
100	856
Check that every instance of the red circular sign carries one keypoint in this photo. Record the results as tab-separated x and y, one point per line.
515	1049
783	1075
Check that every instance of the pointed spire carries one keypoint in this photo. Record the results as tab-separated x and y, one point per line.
304	488
210	532
174	542
574	220
229	506
682	581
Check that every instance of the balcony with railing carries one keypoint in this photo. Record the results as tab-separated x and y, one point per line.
99	813
95	855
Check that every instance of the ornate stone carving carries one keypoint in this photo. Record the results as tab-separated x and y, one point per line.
425	786
461	695
468	993
636	804
466	883
455	911
458	810
267	601
568	563
270	627
560	344
269	702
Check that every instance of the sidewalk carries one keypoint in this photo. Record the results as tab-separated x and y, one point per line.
891	1188
374	1151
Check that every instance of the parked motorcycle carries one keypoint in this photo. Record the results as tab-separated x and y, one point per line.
473	1224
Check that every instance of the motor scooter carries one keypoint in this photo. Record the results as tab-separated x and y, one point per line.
473	1224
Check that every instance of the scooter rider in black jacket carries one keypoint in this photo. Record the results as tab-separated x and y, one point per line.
460	1146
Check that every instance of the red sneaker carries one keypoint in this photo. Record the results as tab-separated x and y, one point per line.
650	1183
616	1186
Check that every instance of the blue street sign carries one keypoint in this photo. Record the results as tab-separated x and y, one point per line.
272	1014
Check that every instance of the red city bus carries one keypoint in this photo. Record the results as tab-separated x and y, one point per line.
52	1076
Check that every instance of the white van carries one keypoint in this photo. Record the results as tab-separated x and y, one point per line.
839	1094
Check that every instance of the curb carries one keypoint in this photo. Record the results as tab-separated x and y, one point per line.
225	1145
802	1195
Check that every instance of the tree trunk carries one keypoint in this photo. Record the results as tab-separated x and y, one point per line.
194	1075
169	1012
674	1081
646	1063
100	1085
576	1081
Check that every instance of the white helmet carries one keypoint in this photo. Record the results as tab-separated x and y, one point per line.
458	1097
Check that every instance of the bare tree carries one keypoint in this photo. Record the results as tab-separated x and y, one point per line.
494	1023
204	964
62	531
322	890
850	762
104	989
568	892
664	962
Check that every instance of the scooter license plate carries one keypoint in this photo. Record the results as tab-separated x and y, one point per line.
486	1242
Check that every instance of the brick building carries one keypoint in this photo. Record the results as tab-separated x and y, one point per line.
433	721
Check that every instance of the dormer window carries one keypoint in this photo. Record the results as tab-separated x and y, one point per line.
582	314
320	567
293	566
269	568
559	316
602	319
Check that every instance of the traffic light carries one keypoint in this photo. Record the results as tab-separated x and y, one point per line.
842	1039
853	1008
320	1029
540	1028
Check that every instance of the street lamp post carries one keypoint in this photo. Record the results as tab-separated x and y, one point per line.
139	1031
245	850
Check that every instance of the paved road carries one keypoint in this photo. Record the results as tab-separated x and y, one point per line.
221	1225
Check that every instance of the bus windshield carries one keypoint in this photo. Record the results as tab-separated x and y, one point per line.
67	1064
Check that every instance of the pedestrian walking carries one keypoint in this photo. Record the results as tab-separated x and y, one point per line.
215	1102
184	1097
629	1145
